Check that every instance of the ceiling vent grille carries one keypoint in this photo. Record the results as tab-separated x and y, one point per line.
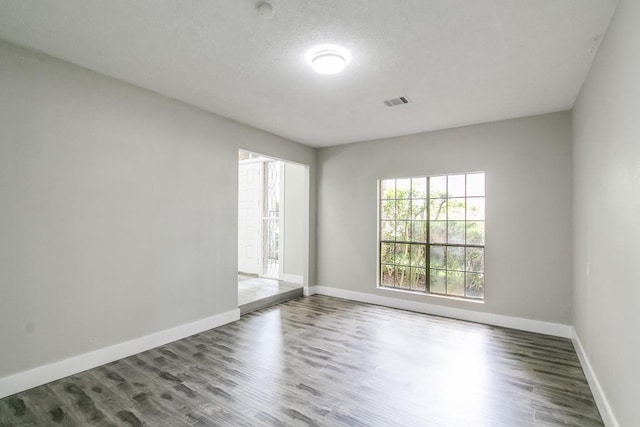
396	101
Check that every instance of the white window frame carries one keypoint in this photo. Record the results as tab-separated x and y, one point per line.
450	265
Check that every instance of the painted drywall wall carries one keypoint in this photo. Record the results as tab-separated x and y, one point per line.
294	224
528	230
606	209
118	210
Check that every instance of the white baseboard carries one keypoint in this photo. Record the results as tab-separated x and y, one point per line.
75	364
606	412
529	325
293	278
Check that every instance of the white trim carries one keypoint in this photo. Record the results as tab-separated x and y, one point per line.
293	278
606	412
75	364
253	266
254	160
520	323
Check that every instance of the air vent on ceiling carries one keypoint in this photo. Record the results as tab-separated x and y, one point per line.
396	101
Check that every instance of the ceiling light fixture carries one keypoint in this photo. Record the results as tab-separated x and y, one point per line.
328	62
265	10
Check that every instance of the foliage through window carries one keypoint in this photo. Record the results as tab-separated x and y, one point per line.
431	233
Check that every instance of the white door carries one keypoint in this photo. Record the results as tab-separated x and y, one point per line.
250	190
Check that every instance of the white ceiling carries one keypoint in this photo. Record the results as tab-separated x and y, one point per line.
458	61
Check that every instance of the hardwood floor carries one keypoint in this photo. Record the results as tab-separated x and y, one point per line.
323	361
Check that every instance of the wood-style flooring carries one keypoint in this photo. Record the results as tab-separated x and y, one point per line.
321	361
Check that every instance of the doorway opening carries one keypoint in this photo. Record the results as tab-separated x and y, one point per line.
273	207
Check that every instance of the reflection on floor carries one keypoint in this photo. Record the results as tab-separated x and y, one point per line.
255	292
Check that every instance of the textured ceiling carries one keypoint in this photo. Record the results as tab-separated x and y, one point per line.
458	61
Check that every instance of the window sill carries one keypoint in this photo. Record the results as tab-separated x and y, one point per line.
436	296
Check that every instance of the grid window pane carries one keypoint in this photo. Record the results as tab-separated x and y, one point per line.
475	233
403	188
438	231
387	230
419	188
455	230
387	253
402	254
456	209
474	259
474	284
455	283
387	275
403	277
438	186
403	231
419	209
388	189
475	184
437	256
455	258
432	234
419	231
438	209
388	209
475	208
403	210
418	255
456	186
438	282
418	279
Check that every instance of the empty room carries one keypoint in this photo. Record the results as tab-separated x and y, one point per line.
319	213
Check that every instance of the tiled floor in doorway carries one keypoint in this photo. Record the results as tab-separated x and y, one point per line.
257	292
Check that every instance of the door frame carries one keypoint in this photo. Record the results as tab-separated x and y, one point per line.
307	215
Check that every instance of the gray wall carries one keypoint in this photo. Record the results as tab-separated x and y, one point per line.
606	179
528	230
118	210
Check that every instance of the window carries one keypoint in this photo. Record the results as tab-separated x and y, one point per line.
431	234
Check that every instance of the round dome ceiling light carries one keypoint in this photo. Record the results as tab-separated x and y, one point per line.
328	62
265	10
